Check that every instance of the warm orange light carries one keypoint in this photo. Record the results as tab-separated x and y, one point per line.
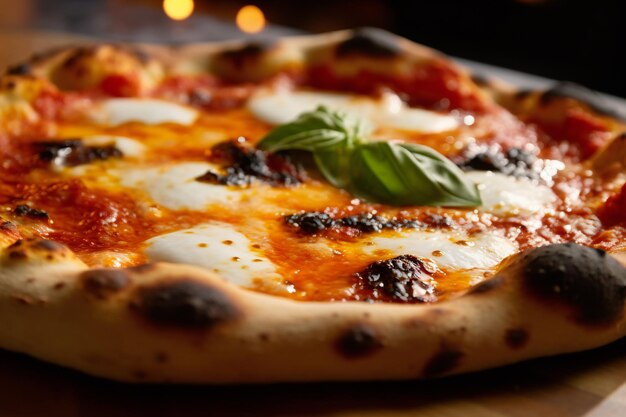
250	19
178	9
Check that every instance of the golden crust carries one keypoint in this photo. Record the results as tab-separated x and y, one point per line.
176	323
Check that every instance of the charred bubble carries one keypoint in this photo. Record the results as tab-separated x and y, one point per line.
311	222
24	210
516	162
243	163
73	152
403	278
315	222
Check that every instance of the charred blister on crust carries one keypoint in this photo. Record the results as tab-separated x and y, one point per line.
487	286
370	42
247	54
358	341
19	69
516	338
587	280
104	283
591	98
184	303
443	362
43	248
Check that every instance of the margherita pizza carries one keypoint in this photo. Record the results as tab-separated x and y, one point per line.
335	207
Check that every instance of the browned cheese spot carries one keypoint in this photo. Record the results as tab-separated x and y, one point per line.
516	338
104	283
358	341
185	303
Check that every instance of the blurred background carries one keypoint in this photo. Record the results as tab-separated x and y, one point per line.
580	41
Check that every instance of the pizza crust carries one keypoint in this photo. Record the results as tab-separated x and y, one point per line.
175	323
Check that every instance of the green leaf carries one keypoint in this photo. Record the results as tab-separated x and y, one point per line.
399	174
408	174
319	130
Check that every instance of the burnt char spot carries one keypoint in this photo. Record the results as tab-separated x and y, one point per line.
184	303
33	213
487	286
442	362
516	338
244	163
8	226
515	161
73	152
591	98
358	341
48	245
315	222
20	69
403	278
103	283
142	268
586	279
240	57
370	42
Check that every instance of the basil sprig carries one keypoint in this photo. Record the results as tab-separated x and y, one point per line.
399	174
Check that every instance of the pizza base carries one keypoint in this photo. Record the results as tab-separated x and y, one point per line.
181	324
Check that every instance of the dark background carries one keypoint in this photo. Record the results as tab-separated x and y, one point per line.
580	41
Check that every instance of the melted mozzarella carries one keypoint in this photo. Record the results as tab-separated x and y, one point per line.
117	111
278	107
216	247
504	195
175	186
451	250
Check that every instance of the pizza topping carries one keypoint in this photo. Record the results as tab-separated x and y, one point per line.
516	162
315	222
585	279
508	196
246	163
216	247
386	172
405	278
117	111
33	213
388	111
73	152
458	250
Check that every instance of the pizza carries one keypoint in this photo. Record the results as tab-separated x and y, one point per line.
344	206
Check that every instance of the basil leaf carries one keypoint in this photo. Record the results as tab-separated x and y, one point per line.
408	174
319	130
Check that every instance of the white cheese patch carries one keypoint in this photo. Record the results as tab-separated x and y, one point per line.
175	187
456	250
504	195
117	111
278	107
128	147
216	247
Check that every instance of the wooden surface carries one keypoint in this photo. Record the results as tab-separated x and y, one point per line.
584	384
